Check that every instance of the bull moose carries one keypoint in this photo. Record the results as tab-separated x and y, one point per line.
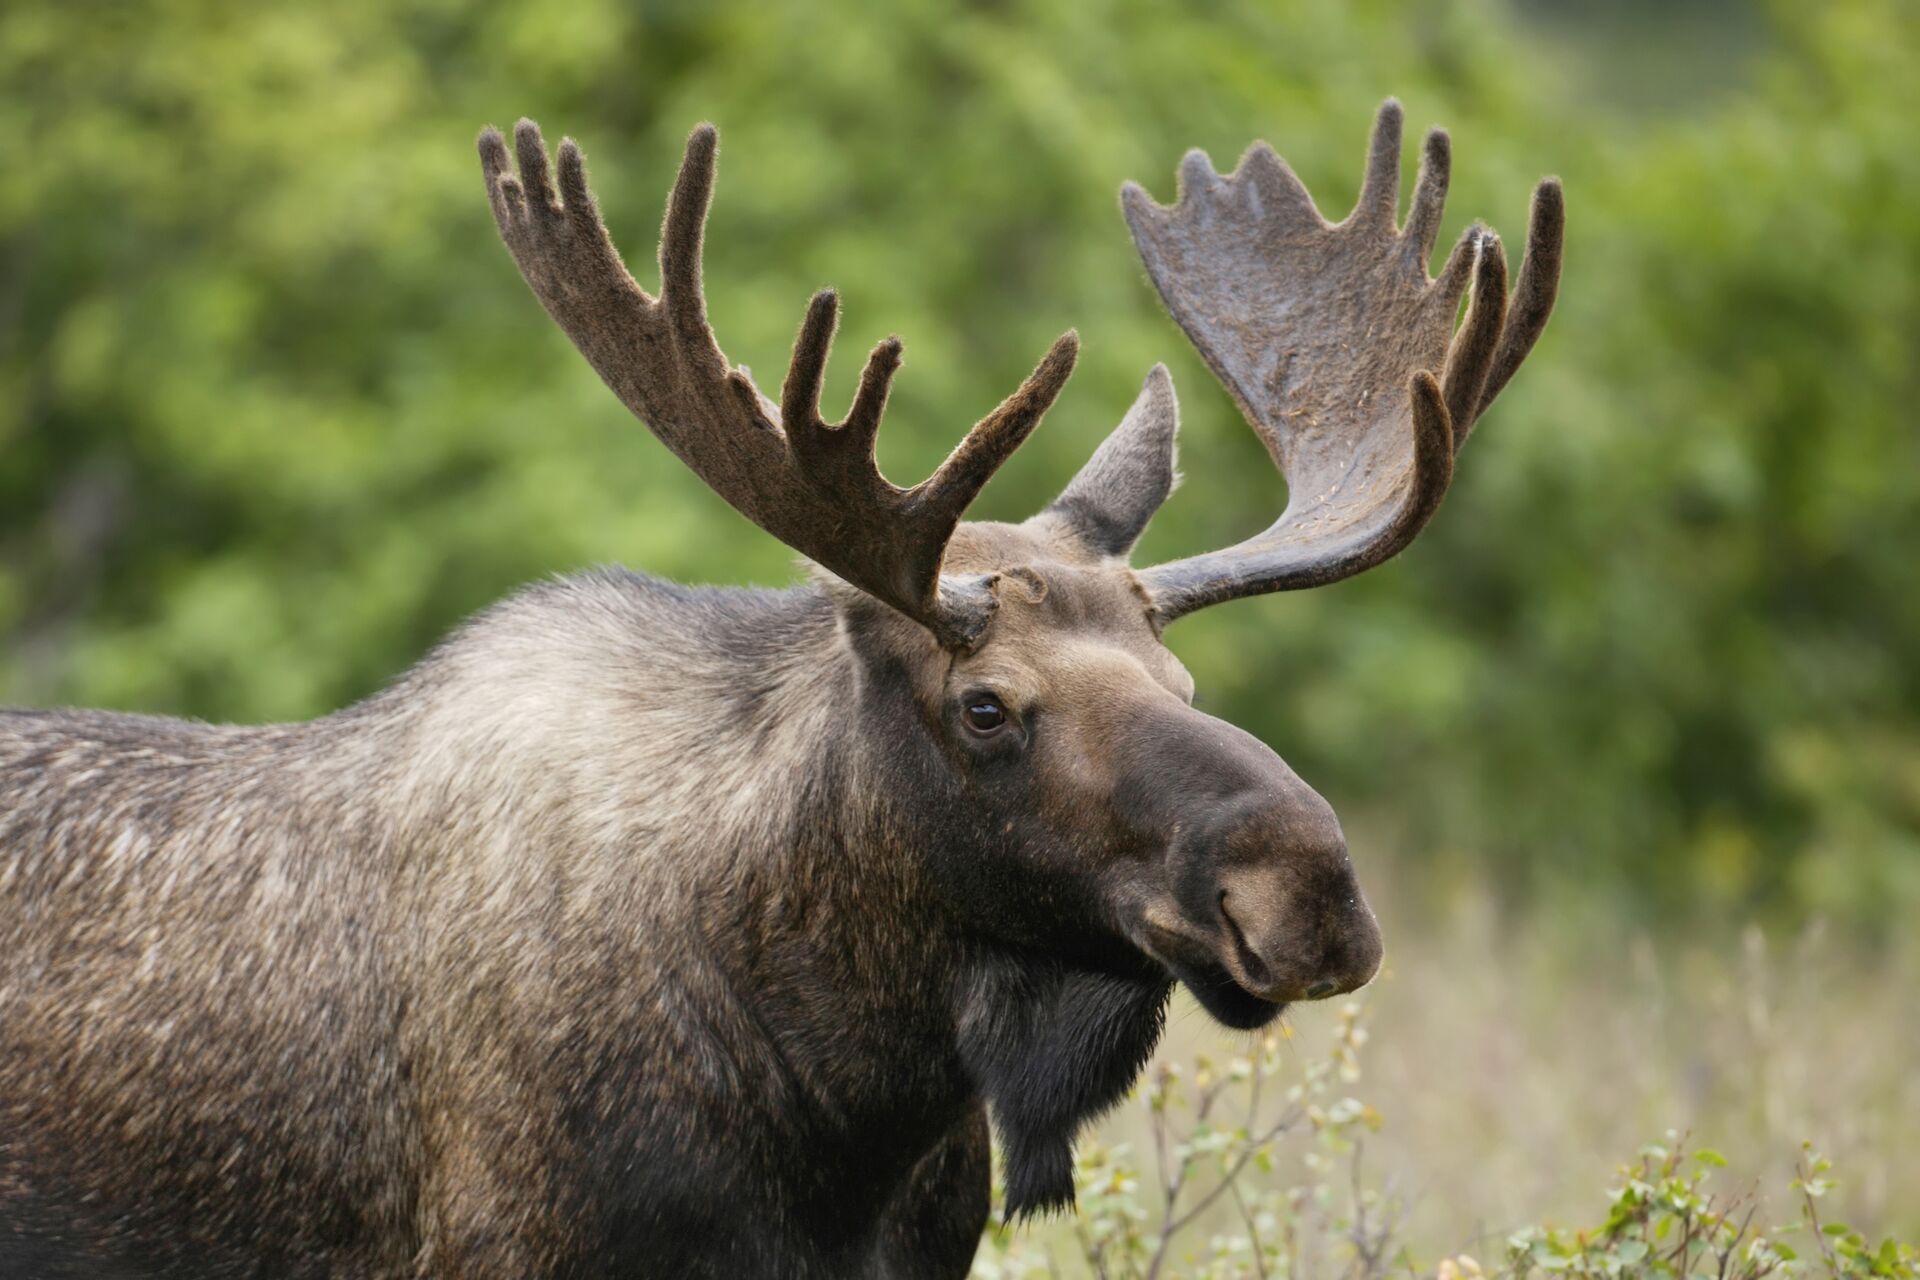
653	930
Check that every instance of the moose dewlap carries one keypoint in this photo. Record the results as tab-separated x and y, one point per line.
652	930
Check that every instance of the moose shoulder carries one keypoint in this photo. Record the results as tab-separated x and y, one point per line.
642	929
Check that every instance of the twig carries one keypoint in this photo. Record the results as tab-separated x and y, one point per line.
1169	1225
1253	1234
1286	1122
1733	1245
1813	1217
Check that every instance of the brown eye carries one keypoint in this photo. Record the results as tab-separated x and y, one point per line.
984	716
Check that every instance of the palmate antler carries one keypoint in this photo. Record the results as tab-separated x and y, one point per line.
810	483
1339	349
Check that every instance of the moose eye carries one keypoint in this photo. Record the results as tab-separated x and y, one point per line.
984	715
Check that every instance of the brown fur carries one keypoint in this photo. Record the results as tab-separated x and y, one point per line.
358	996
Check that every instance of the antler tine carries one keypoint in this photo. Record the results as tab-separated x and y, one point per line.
995	437
808	434
575	199
870	401
1471	356
1539	285
1380	192
835	457
531	152
493	168
1434	444
807	369
681	242
813	485
1429	197
1339	349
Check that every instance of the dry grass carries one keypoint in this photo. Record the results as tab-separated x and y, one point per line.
1517	1069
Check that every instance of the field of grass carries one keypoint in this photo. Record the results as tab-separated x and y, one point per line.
1506	1070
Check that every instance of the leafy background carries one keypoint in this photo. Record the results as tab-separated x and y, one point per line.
275	412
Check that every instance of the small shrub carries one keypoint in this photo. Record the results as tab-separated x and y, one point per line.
1663	1221
1279	1161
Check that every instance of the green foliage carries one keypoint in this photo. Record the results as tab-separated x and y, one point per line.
1227	1198
275	412
1665	1224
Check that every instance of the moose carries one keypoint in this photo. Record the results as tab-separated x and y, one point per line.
644	929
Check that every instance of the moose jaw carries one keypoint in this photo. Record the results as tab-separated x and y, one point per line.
699	932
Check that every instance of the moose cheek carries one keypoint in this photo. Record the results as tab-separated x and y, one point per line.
995	755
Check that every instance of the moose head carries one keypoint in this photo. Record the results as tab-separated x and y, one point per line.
1084	807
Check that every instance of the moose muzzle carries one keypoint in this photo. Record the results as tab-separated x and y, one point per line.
1266	907
1295	924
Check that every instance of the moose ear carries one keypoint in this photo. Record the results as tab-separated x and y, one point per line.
1109	503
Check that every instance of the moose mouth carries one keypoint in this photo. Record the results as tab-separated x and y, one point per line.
1224	998
1211	982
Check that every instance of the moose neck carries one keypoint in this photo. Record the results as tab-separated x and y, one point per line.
893	1011
721	789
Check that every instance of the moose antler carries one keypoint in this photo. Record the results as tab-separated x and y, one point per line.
1335	344
812	484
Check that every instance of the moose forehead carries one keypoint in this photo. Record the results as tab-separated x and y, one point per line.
1069	622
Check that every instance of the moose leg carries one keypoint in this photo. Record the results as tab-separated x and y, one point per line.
932	1228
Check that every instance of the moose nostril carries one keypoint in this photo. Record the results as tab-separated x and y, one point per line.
1250	960
1321	989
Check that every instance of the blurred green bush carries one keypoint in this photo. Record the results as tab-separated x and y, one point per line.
275	411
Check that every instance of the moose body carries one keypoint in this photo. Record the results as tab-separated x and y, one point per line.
642	929
562	947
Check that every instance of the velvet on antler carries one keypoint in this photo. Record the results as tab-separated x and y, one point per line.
812	484
1339	349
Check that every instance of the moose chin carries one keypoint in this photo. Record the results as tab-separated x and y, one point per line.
643	929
